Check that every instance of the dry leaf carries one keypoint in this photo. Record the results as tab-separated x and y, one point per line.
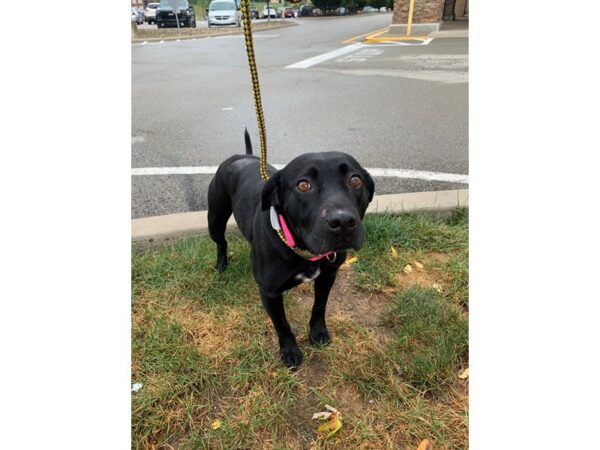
332	425
394	252
322	415
216	424
437	287
425	445
418	265
407	269
332	418
464	374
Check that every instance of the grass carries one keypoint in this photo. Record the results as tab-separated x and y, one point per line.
204	349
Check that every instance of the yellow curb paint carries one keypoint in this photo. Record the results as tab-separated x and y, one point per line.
391	38
347	41
371	36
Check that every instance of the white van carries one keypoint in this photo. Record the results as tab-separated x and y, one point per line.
224	12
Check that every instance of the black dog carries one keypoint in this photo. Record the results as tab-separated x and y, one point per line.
300	224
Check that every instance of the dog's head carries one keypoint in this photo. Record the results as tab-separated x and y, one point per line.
323	197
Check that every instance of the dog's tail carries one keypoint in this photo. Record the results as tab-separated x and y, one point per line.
248	143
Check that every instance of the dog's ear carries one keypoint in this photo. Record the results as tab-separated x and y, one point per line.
370	185
271	193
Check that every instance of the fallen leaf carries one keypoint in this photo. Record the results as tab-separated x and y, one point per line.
407	269
332	418
425	445
349	261
418	265
216	424
332	425
437	287
394	252
322	415
464	374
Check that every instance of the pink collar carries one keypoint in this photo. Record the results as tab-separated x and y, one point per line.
280	226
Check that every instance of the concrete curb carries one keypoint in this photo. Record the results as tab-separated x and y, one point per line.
435	31
204	36
172	226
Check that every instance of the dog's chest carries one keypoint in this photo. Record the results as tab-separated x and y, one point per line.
307	275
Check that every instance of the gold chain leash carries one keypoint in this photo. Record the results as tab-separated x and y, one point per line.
260	118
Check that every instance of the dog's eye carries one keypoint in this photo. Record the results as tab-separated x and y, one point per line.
355	182
303	186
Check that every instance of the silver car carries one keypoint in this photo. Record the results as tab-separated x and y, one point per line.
224	12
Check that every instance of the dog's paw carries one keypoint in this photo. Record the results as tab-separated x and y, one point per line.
291	356
221	265
319	336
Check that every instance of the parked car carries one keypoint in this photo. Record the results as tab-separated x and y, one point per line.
305	11
224	12
165	16
288	12
254	13
369	9
269	12
137	16
150	13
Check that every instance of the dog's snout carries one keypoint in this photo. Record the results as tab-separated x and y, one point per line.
340	220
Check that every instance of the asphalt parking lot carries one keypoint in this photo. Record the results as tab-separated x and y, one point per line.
399	109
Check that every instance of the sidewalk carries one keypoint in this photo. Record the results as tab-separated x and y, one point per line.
171	226
450	29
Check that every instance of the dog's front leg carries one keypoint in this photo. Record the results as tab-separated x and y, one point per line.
319	335
289	350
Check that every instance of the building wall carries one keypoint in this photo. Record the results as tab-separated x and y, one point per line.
425	11
449	10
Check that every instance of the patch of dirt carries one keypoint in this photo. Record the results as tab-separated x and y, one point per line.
348	302
422	274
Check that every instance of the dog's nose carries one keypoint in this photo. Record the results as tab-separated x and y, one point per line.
340	220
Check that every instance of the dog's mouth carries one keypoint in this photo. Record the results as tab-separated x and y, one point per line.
320	243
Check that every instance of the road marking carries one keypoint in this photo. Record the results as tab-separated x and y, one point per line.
419	174
138	139
227	108
401	41
360	56
347	41
397	38
371	36
375	171
304	64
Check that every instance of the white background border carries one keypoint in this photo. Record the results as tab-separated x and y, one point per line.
64	323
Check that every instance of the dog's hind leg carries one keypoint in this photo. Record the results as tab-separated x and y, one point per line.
219	212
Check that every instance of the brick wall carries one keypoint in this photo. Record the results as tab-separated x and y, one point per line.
425	11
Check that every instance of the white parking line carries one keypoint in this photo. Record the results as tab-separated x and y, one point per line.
375	171
304	64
